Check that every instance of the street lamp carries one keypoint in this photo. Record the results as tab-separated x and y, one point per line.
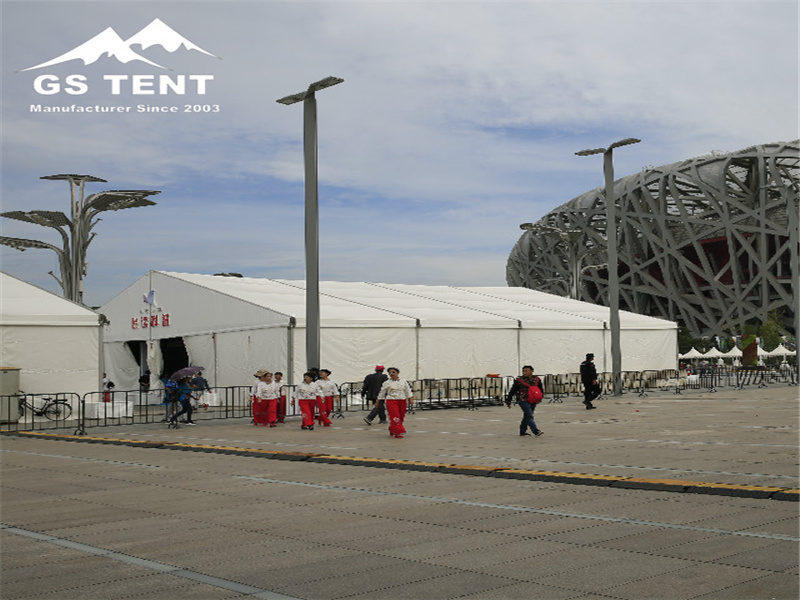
312	211
613	260
570	238
75	232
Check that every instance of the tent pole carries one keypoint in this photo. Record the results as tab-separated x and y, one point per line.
290	350
417	350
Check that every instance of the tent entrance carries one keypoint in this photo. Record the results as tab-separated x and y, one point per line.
174	353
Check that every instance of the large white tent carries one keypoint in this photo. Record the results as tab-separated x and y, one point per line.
235	325
54	342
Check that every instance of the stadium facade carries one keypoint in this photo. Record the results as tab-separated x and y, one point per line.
704	242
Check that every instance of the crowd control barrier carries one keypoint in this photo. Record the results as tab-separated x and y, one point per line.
65	410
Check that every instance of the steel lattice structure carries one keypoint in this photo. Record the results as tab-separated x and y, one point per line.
705	242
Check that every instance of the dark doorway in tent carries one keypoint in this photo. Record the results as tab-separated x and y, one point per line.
139	351
174	354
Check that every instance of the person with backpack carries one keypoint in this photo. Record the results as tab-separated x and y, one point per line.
591	388
527	391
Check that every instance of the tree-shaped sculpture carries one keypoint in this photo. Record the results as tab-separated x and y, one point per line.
76	233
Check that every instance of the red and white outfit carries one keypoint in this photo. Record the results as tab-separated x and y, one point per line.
306	395
396	393
260	404
281	402
271	397
326	390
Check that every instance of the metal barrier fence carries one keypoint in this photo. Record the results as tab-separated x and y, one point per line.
35	412
26	412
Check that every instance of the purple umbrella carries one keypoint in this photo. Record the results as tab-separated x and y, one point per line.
185	372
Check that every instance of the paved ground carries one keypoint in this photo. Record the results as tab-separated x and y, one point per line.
95	520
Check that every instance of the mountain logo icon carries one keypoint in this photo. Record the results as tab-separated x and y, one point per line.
109	43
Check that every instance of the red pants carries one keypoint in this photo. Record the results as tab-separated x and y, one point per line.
260	412
397	413
328	405
271	411
322	411
307	410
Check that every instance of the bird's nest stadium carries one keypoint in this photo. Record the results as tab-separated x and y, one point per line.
706	242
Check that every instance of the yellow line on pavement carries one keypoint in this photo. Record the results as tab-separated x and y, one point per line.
673	485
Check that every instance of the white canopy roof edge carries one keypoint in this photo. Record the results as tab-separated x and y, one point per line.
237	323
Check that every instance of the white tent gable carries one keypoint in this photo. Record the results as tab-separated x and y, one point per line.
26	304
53	342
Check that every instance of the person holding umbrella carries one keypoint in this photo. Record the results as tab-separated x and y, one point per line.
185	398
184	394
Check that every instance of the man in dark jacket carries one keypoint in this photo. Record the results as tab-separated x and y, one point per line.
370	389
591	388
519	393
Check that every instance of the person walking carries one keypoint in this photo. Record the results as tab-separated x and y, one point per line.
185	398
201	386
370	390
326	391
282	401
591	388
306	395
524	397
170	398
271	397
260	398
397	394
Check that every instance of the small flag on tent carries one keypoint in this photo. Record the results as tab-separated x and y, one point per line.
150	298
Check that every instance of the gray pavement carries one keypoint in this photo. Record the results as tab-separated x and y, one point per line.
96	520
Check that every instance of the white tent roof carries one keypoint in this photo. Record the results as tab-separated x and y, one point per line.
733	353
26	304
781	350
713	353
533	307
289	299
361	304
693	353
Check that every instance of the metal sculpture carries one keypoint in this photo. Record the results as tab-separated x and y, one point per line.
76	232
707	242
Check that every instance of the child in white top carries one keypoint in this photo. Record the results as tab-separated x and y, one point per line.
306	395
326	390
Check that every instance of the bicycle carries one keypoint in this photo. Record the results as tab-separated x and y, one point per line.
55	410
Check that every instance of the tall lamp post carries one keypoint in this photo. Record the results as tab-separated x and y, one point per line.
312	211
613	260
76	232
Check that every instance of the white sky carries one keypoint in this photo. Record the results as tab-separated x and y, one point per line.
456	122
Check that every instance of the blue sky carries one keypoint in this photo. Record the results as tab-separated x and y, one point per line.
456	122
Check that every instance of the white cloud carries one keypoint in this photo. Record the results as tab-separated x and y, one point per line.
455	123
